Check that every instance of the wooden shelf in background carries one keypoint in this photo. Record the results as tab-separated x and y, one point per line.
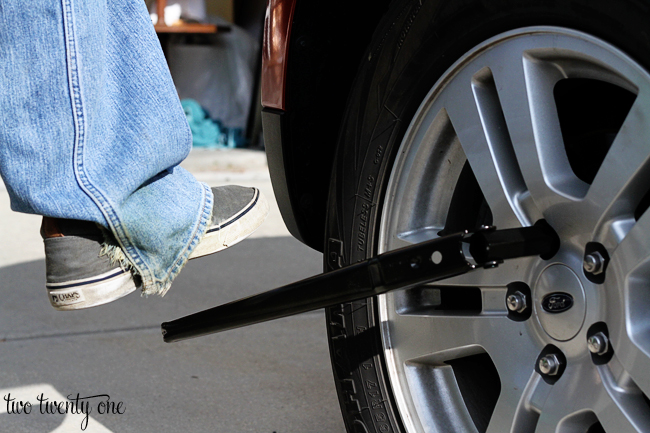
188	28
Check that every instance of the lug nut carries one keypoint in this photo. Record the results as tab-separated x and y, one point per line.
516	302
594	263
598	343
549	364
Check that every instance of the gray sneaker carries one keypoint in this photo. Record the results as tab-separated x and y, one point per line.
77	277
236	213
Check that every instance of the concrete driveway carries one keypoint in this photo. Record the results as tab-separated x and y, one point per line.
272	377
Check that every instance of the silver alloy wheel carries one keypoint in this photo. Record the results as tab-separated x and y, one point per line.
495	109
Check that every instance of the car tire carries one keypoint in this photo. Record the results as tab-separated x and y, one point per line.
408	168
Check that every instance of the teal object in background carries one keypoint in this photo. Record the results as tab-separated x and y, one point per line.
208	133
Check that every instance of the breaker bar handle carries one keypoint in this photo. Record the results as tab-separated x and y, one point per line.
410	266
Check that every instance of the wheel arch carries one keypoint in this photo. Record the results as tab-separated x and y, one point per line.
325	47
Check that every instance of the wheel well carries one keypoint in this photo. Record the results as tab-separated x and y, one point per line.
326	48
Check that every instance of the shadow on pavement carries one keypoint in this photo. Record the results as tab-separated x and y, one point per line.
273	376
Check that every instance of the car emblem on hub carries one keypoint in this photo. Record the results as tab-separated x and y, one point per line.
557	302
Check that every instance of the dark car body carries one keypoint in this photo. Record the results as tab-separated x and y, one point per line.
310	58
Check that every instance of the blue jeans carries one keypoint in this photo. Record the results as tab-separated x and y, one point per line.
92	129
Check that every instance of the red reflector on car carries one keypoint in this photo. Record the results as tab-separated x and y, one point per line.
277	29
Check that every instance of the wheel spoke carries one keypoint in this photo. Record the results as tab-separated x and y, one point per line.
629	328
574	413
633	250
549	419
553	411
436	388
481	140
439	338
525	88
633	358
530	405
623	177
613	419
504	413
435	338
622	407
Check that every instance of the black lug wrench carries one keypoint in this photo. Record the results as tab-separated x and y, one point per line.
425	262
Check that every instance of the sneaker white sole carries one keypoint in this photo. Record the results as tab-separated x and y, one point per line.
90	292
235	229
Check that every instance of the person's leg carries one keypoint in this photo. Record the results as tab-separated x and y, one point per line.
92	130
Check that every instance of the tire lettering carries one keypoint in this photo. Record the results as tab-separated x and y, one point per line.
378	155
370	186
370	384
363	224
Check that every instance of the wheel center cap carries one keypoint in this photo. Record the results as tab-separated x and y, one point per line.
559	302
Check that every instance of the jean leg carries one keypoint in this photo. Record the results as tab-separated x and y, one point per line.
92	129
